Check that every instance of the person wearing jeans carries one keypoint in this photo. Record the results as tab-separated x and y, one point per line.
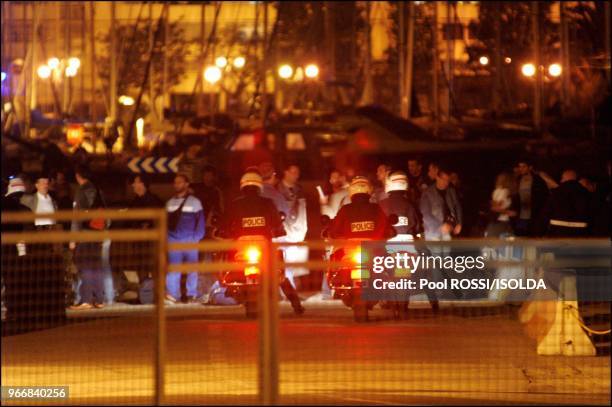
296	224
441	210
173	280
442	216
187	214
88	256
92	276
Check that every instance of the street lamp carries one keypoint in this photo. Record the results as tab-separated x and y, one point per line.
53	63
508	60
528	69
74	62
239	62
212	74
43	72
71	71
555	70
484	60
126	100
221	62
311	71
285	71
58	67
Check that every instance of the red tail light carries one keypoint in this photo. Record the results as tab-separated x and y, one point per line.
359	258
253	254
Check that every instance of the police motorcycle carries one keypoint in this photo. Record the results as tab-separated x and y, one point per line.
398	306
243	285
349	280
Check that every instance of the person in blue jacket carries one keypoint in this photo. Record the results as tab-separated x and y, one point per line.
186	224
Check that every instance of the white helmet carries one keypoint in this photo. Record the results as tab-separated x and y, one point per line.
396	181
360	185
251	178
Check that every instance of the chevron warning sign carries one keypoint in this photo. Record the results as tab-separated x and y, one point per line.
154	165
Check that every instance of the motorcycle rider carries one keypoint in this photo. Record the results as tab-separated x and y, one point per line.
360	218
251	215
410	225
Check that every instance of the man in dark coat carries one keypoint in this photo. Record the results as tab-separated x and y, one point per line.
567	211
88	255
141	251
17	275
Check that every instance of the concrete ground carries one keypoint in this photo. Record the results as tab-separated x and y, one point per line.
468	355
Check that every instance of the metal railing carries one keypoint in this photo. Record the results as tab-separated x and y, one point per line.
268	317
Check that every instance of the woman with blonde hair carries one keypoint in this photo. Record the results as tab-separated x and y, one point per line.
502	205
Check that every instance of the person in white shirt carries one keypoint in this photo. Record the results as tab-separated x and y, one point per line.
41	202
330	204
46	260
296	222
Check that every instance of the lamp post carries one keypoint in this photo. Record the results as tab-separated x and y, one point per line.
60	70
228	69
303	76
548	74
311	71
212	75
285	72
537	94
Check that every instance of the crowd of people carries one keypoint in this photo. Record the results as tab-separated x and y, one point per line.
524	202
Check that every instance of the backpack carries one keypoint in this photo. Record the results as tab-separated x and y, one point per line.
146	291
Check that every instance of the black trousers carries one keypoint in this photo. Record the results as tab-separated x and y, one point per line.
35	291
